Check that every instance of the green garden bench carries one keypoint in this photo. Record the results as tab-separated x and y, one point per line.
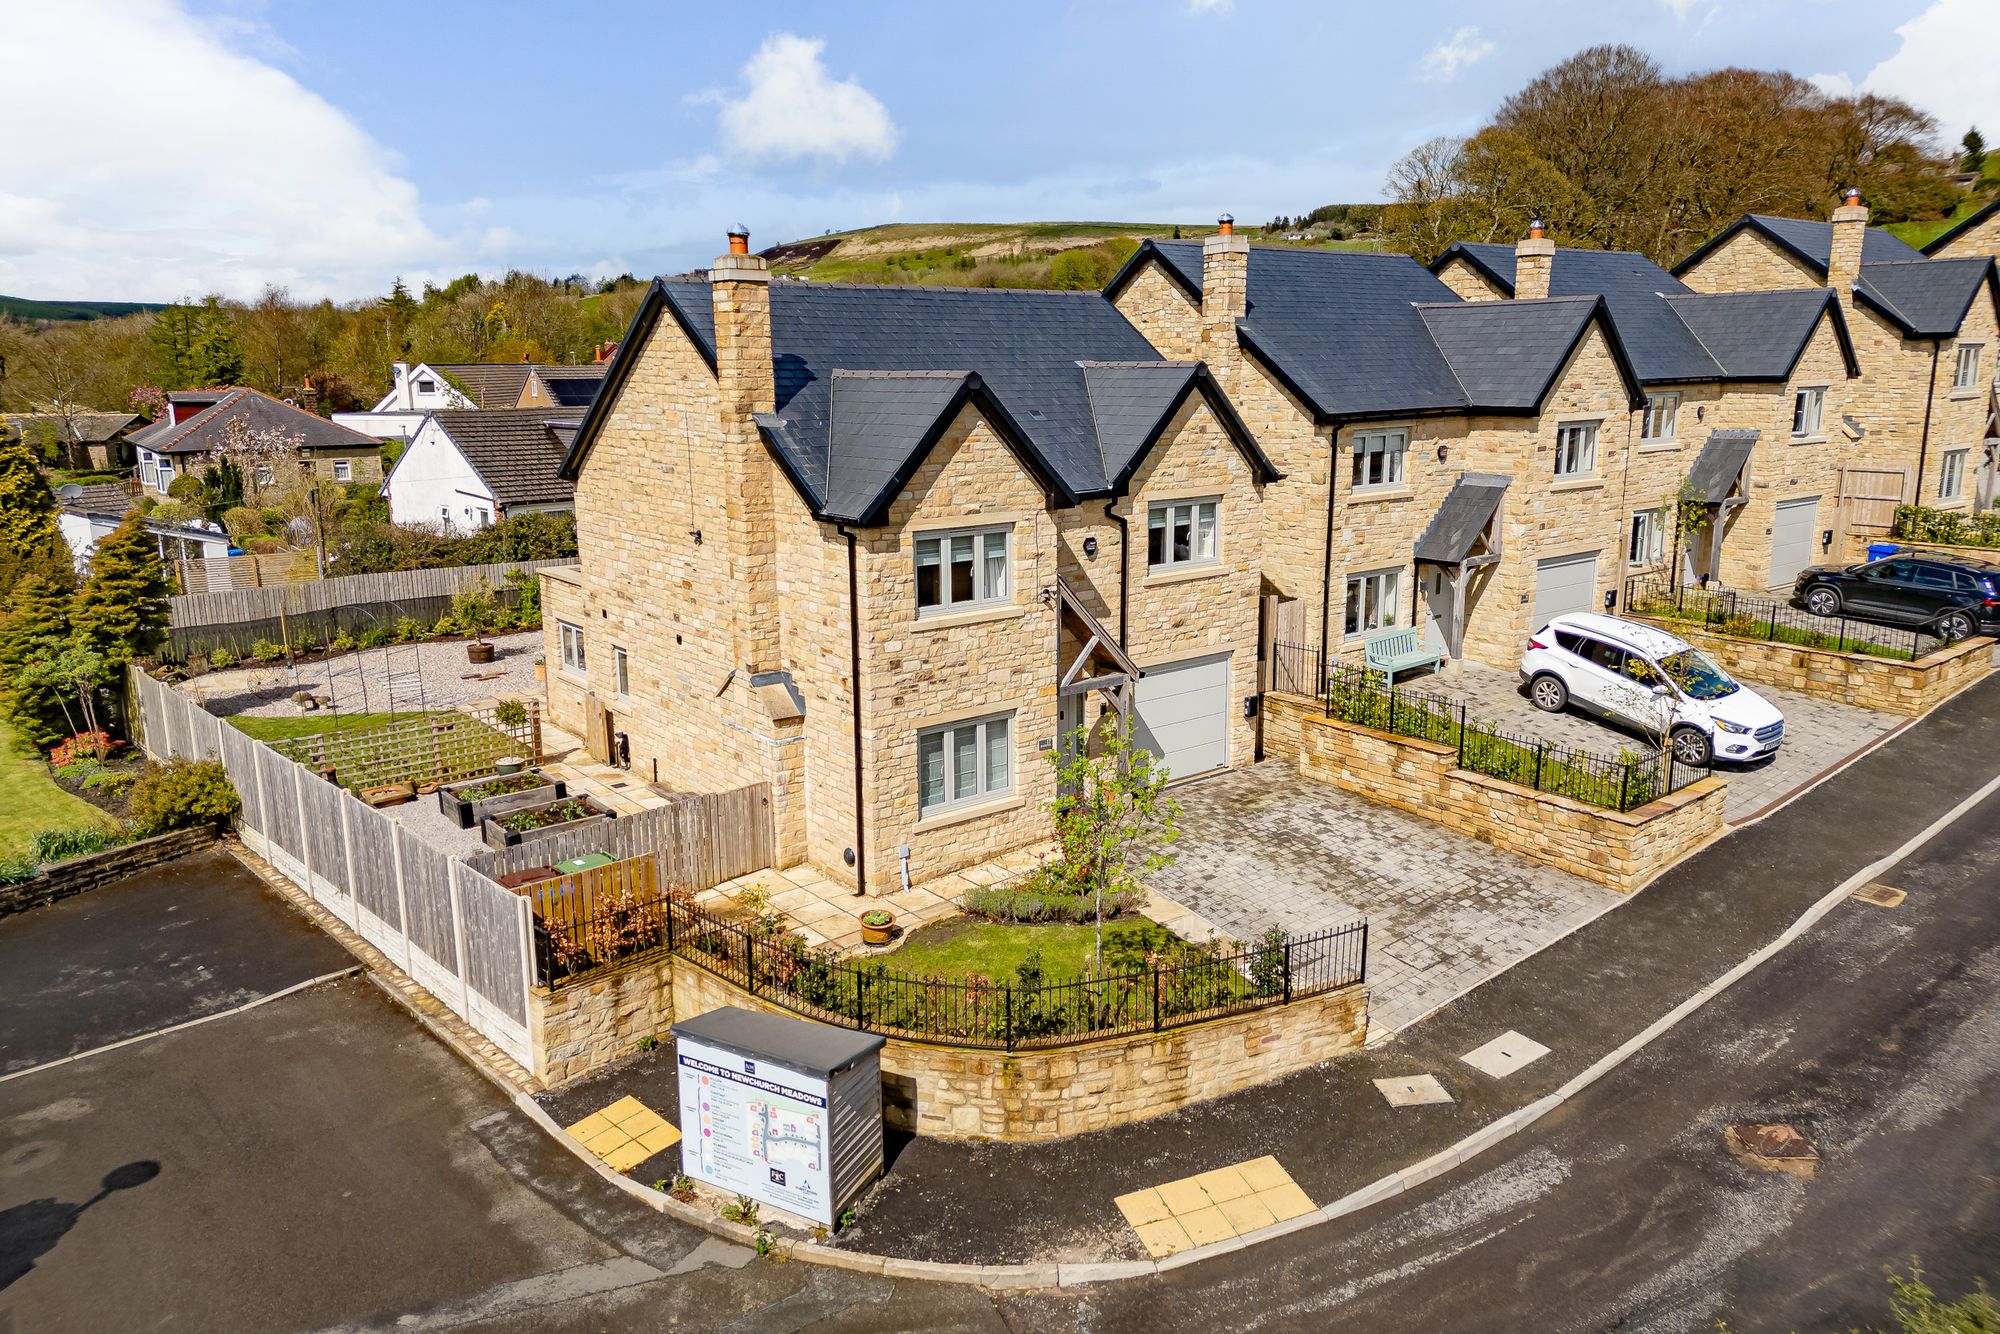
1392	651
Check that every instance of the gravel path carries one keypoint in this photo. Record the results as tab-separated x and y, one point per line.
426	676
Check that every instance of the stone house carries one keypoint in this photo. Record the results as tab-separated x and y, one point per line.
197	425
82	440
1926	334
1747	396
883	548
1976	236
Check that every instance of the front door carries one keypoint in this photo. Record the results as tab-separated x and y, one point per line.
1441	607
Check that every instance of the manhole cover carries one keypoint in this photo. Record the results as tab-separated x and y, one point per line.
1772	1147
1882	896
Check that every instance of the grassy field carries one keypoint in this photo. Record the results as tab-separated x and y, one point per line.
319	724
30	801
1921	234
960	948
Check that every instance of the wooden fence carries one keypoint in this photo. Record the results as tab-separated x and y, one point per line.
695	841
232	573
463	938
352	590
435	748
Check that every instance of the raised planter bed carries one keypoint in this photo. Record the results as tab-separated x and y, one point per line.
472	801
545	821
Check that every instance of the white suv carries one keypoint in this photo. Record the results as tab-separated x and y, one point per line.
1653	681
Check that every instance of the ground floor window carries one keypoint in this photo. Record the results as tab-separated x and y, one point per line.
149	471
572	647
621	672
343	470
1372	599
964	762
1951	475
1649	537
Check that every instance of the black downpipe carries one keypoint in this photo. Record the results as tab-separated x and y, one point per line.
854	675
1124	564
1326	565
1924	445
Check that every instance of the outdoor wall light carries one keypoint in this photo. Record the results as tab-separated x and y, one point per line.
1090	546
1610	599
1825	538
1444	452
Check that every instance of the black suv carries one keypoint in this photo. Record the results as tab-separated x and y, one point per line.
1951	597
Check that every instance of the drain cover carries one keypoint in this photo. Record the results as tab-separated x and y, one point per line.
1882	896
1772	1147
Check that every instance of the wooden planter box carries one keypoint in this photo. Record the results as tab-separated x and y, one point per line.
471	814
499	837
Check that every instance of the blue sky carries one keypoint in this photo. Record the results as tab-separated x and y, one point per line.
328	146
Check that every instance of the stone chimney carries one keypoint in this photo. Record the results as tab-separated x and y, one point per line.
1850	227
1225	286
1534	263
740	289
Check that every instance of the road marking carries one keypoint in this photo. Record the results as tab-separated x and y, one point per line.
191	1023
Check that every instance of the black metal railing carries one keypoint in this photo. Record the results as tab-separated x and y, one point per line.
814	981
1620	782
1747	616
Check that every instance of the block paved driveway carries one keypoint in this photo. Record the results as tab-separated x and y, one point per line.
1262	847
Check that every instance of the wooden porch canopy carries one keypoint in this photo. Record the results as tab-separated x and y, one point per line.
1463	535
1101	664
1720	478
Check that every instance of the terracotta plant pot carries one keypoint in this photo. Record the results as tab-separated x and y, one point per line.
478	651
877	933
541	671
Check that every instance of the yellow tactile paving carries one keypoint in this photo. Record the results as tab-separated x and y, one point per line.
625	1134
1213	1206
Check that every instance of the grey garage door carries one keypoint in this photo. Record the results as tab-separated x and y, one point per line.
1792	538
1183	714
1565	584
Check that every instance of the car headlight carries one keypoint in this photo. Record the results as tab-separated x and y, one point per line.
1731	727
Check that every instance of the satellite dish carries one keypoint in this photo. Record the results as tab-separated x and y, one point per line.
70	491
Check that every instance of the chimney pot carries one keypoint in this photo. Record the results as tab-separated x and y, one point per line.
1853	195
1535	229
1226	224
739	240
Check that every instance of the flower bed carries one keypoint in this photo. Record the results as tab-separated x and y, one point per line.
544	821
475	800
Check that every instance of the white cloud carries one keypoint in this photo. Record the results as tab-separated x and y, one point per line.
208	169
1454	55
1211	6
1681	8
1833	85
792	108
1945	67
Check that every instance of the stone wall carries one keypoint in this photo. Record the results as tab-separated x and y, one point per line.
1021	1096
78	875
1622	851
1748	262
1883	684
576	1029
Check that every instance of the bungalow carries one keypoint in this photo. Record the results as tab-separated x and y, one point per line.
86	441
198	423
465	469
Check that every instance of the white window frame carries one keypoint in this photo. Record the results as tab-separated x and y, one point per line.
149	468
1663	411
1965	374
343	470
949	749
1951	474
1647	540
1576	445
575	659
484	515
1378	452
263	475
426	385
1808	412
984	594
621	673
1164	516
1386	589
167	473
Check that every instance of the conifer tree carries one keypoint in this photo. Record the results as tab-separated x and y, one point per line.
29	538
34	631
122	608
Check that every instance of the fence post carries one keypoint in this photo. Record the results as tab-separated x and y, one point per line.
1392	703
1461	734
1840	642
750	962
1156	998
1625	786
1540	747
670	923
1363	973
1288	970
1007	999
860	998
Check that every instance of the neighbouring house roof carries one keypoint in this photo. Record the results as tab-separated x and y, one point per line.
515	451
1811	243
1370	335
76	428
1966	224
1720	465
101	498
1466	511
1927	298
572	386
204	433
500	384
1672	333
869	377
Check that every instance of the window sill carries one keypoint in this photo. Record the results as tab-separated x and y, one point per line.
1955	503
945	620
1963	395
1658	446
1577	484
1369	494
1181	574
573	677
1807	439
952	815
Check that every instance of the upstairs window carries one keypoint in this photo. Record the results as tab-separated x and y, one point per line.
1808	407
1181	532
1966	374
1378	459
427	386
1662	416
1576	449
957	571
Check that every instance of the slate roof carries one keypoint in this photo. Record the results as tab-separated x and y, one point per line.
1357	335
515	451
1715	470
1943	239
1926	298
1672	333
498	385
104	498
80	428
203	433
1467	509
1809	242
572	386
868	377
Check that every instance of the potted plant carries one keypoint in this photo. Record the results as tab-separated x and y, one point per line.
878	925
541	667
473	610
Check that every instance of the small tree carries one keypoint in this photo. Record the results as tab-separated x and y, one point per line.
473	609
1973	158
71	666
1115	823
122	609
1688	515
29	537
33	632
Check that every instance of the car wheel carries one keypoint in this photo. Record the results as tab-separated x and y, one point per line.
1954	626
1691	746
1822	601
1548	693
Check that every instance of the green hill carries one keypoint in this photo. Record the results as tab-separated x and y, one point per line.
21	308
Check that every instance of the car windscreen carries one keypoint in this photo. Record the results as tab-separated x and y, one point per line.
1698	677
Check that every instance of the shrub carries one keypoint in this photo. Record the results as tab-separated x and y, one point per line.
1040	897
82	746
373	637
19	869
445	626
240	522
220	658
110	782
510	713
303	642
59	845
264	650
342	642
181	794
408	630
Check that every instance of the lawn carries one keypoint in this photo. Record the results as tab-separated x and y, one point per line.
963	947
30	801
319	724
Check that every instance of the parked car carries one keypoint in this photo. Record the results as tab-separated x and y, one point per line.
1952	597
1645	677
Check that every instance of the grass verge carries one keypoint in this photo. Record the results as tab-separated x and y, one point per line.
30	801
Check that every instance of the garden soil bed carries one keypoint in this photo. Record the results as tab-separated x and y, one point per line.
499	836
472	812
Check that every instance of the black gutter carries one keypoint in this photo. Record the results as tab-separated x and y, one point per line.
1930	397
854	675
1124	563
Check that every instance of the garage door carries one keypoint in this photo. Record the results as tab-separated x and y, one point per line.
1183	714
1792	535
1564	585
